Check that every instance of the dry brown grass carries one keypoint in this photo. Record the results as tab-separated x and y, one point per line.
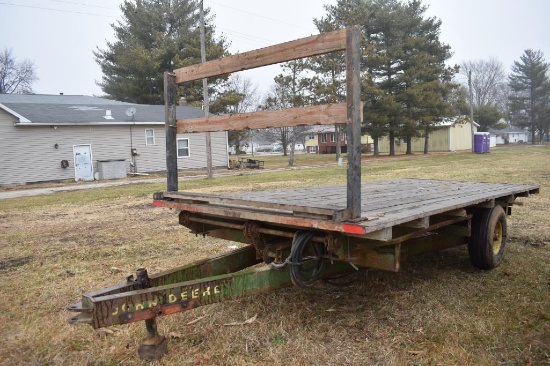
437	311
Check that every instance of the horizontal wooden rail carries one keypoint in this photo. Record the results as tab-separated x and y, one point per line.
301	116
300	48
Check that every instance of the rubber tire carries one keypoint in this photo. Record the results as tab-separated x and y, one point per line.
487	251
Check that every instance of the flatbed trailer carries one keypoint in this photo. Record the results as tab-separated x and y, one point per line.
399	218
298	236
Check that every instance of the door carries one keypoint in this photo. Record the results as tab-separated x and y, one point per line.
83	168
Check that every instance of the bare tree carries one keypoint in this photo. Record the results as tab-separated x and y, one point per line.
249	91
488	81
15	77
248	103
287	136
290	90
238	95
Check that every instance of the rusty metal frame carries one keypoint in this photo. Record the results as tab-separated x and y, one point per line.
226	277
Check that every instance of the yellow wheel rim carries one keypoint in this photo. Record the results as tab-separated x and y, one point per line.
497	238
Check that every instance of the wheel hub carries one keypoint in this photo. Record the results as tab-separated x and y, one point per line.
497	238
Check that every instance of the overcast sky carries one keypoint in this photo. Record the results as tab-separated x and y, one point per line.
60	35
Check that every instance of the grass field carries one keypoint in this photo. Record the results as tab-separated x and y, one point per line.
438	310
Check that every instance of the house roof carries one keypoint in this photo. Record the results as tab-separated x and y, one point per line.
56	99
448	122
509	129
77	109
320	129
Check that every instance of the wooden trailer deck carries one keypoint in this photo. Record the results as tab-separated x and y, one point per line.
385	204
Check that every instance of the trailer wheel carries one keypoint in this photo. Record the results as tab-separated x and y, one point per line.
488	240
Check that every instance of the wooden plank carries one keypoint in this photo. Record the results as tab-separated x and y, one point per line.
409	197
456	195
213	199
458	212
300	116
300	48
431	208
257	214
383	234
170	127
355	117
420	223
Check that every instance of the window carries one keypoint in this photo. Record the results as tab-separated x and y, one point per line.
332	137
312	149
323	137
149	137
183	148
312	137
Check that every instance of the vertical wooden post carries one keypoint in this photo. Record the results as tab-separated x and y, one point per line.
353	130
170	127
206	100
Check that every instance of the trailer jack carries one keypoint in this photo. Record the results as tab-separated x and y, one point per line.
227	277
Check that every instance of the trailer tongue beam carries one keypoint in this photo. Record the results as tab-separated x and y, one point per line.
226	277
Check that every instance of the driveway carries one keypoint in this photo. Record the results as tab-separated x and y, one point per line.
25	191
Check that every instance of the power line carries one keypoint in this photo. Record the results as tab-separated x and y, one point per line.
248	36
59	10
234	34
260	16
92	6
112	16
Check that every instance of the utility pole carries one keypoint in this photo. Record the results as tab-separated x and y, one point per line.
471	107
205	97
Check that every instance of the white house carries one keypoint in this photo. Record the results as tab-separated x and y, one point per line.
510	134
63	137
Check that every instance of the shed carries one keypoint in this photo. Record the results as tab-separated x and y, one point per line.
451	134
62	137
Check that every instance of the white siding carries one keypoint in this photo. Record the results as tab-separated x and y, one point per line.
461	136
197	150
28	154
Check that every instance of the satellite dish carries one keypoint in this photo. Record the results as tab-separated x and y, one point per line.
130	112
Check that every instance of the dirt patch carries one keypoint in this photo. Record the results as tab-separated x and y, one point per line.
531	241
14	262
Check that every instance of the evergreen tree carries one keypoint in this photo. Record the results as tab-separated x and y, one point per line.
487	116
530	92
405	82
155	36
